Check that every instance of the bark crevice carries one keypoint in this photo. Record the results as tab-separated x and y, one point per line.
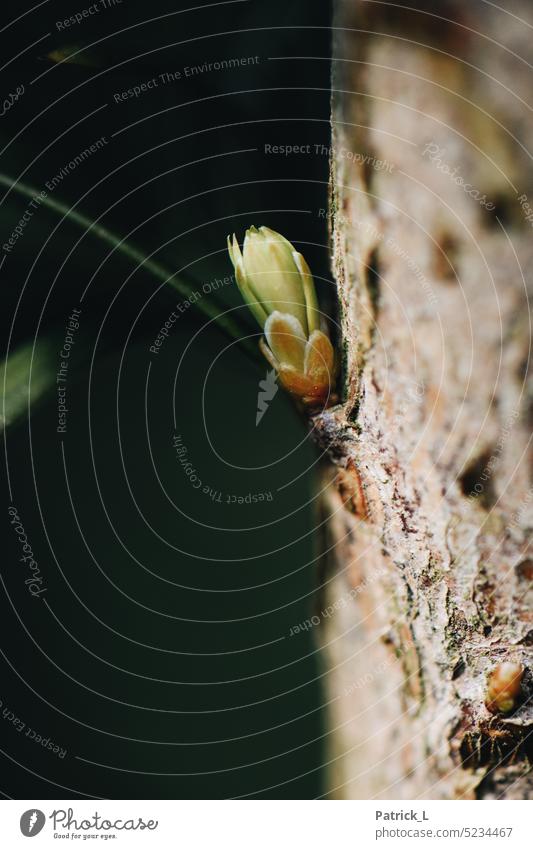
431	502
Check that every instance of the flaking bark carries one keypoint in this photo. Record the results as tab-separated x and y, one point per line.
431	501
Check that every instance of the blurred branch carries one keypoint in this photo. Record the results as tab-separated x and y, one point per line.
207	306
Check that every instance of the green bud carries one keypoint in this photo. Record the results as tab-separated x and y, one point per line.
273	277
277	285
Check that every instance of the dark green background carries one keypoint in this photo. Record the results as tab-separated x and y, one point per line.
163	649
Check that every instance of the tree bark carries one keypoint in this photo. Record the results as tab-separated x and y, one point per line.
430	506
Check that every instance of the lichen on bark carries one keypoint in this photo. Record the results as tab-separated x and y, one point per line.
430	506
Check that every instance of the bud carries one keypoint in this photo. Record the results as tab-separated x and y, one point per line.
277	285
504	686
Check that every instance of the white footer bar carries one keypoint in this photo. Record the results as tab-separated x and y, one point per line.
268	824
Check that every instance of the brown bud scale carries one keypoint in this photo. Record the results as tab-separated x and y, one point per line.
504	686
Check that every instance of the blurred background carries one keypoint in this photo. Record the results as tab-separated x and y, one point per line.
157	654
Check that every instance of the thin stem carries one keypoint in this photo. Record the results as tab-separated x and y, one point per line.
226	323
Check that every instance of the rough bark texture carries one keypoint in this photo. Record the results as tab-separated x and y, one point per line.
431	507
